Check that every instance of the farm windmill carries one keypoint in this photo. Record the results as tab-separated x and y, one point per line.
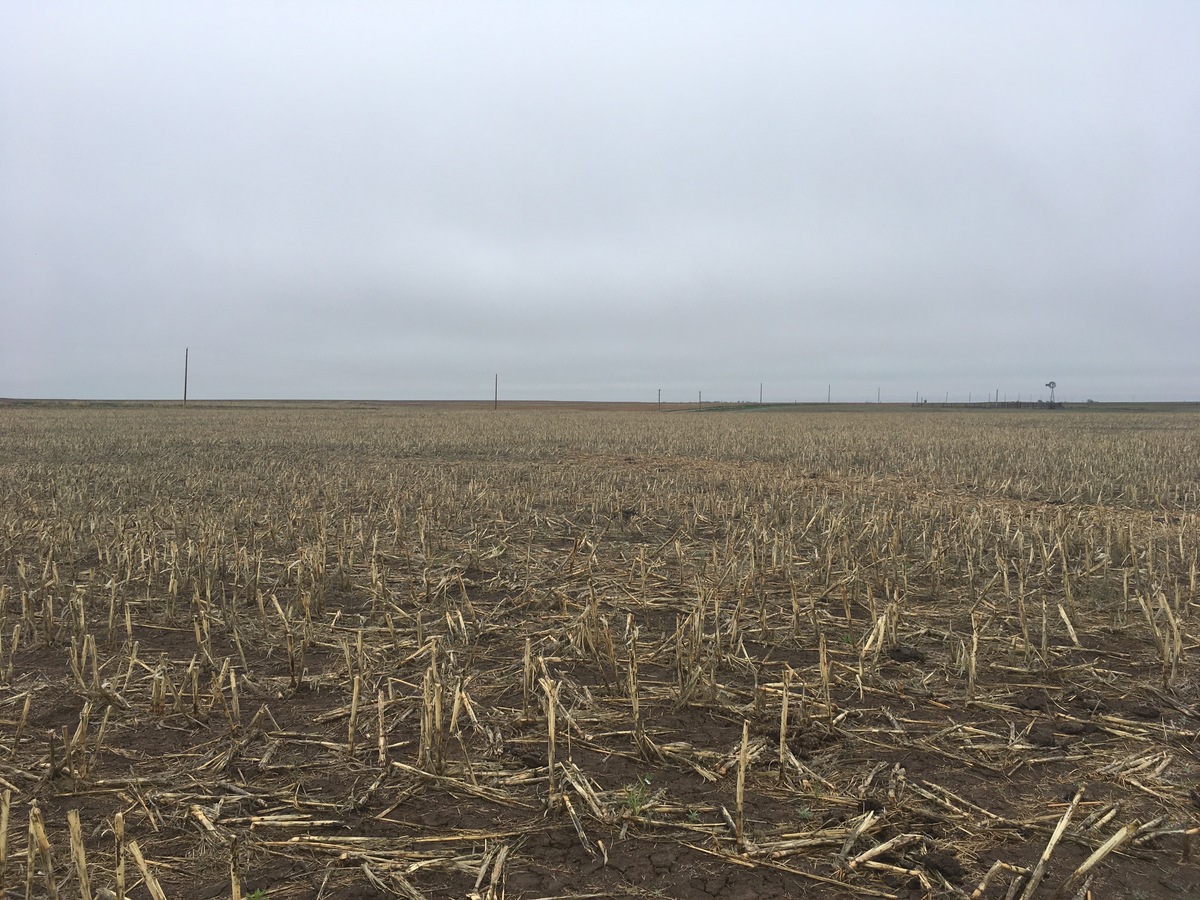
1052	385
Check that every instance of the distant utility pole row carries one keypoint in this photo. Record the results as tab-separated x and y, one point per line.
992	398
996	397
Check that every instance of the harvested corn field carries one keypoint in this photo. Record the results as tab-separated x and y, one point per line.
304	652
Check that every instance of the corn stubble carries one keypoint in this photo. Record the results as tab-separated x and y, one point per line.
847	629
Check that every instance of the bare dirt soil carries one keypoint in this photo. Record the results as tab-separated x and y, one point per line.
325	655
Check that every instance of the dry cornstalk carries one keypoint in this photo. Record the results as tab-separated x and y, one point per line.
202	817
972	661
293	670
352	728
1100	817
1045	637
1039	870
119	840
920	876
1027	646
79	855
527	676
997	867
495	890
825	676
429	752
743	758
152	885
900	840
382	729
579	781
79	738
235	876
21	722
233	700
5	805
551	691
575	820
157	705
31	856
485	865
456	706
1066	580
865	821
783	720
69	756
1120	837
39	847
16	642
638	734
218	696
1062	614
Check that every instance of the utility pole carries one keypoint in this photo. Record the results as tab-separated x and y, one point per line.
496	394
700	400
829	393
185	368
660	399
760	393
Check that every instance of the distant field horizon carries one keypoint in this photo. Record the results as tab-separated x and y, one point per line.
707	405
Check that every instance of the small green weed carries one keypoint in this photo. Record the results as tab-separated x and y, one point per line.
637	795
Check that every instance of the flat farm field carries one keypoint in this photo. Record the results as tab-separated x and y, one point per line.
297	651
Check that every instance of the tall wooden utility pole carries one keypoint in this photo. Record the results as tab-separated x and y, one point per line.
185	368
496	393
660	399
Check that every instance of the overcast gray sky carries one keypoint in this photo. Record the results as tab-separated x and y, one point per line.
600	199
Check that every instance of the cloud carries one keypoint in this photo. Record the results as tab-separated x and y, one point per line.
382	200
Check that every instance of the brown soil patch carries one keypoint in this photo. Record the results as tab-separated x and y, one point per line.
191	607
